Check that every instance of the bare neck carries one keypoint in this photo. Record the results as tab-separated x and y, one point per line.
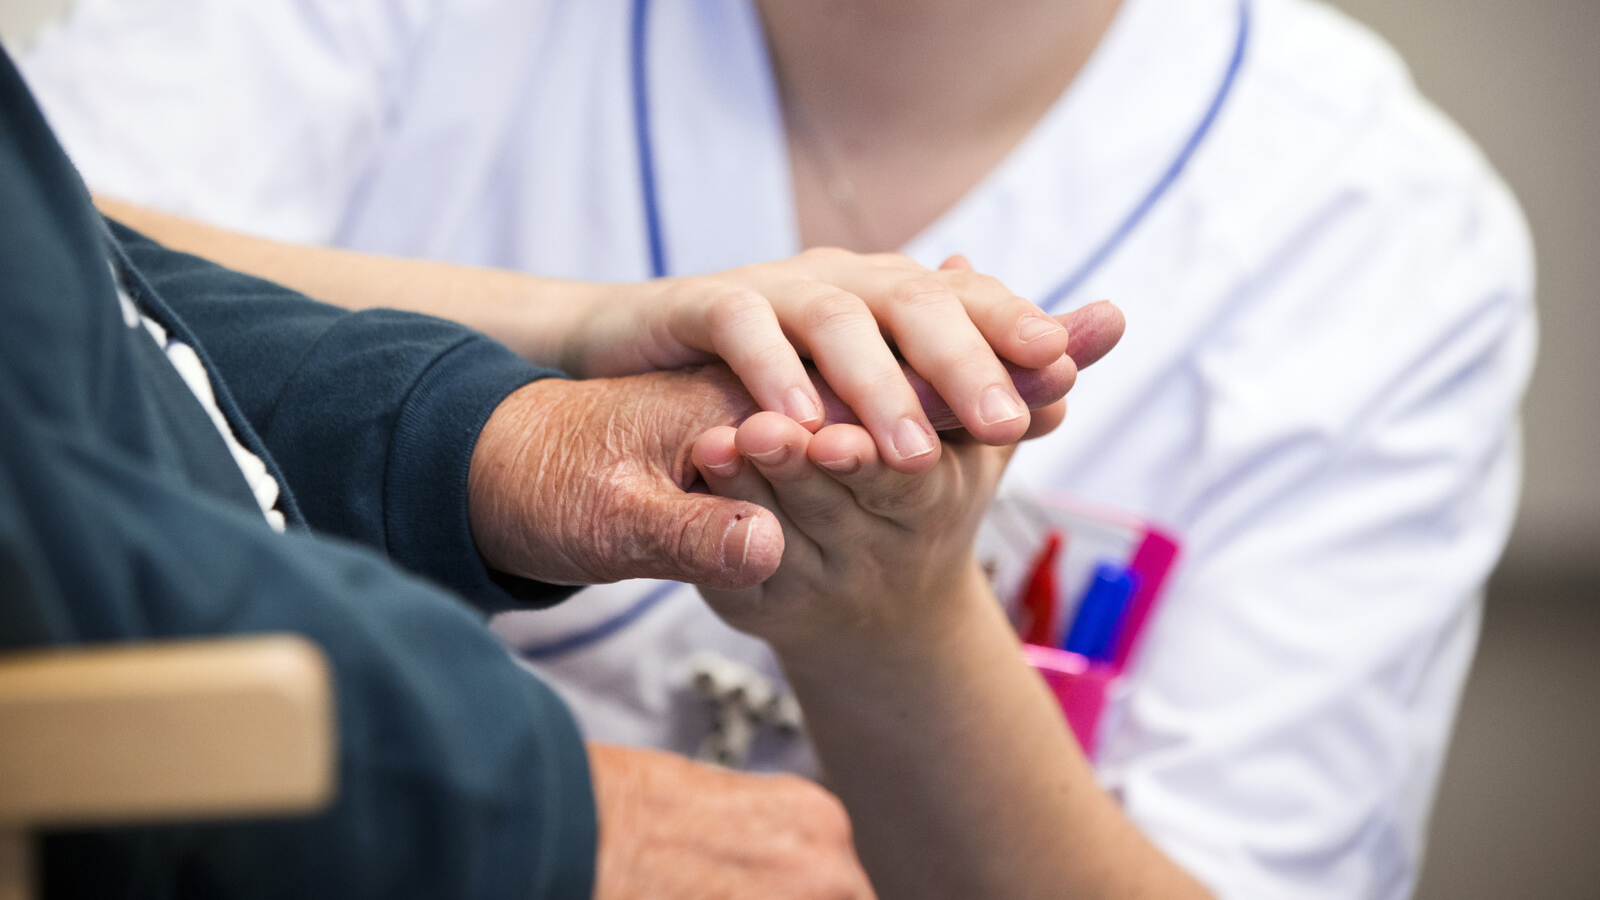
898	63
911	102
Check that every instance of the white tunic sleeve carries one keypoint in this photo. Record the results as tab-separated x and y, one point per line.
257	115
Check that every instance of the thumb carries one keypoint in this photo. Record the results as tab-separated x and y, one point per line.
706	540
1094	330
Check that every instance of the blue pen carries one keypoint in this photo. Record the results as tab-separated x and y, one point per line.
1098	622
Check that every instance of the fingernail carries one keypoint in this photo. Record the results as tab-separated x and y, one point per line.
1034	326
842	466
727	468
912	439
801	407
772	457
736	543
997	405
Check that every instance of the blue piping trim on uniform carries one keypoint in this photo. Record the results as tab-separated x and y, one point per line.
642	139
1132	222
600	632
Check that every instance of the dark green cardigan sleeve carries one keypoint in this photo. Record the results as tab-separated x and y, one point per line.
460	776
370	416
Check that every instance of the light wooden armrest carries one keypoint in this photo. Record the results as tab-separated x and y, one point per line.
160	732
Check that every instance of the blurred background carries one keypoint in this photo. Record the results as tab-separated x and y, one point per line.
1519	807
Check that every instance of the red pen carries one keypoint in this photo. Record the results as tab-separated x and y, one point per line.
1039	597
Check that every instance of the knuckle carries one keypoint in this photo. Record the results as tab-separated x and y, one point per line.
889	383
922	294
732	308
987	292
683	537
967	357
832	309
692	545
767	356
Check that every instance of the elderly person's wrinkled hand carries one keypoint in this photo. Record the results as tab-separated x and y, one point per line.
603	467
674	829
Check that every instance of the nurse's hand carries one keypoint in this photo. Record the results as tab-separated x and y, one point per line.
954	761
848	314
868	549
1093	330
585	482
989	353
873	558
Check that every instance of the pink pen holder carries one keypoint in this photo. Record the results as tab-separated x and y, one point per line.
1079	685
1082	685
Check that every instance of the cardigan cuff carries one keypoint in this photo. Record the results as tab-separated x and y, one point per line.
426	523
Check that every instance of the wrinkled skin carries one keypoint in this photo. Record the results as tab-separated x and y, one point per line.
590	481
580	482
672	829
584	482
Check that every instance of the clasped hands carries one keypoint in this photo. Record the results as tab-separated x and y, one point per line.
593	481
717	476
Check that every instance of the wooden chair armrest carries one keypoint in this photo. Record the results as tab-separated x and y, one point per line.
152	732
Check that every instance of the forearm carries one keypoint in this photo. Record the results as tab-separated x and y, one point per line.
960	775
535	317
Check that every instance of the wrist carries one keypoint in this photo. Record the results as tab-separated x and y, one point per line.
601	322
503	459
927	625
545	321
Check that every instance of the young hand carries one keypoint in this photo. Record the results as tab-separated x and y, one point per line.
585	481
872	556
857	533
848	314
